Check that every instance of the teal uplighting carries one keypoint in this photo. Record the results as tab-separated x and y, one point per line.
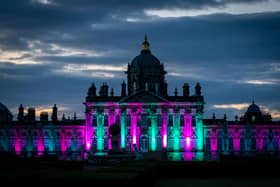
100	137
153	133
199	132
176	133
123	130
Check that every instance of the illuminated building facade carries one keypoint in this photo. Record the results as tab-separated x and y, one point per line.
255	131
148	117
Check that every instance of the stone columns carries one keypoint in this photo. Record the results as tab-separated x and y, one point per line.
188	131
100	132
88	130
176	131
123	129
134	128
199	130
153	141
111	121
164	130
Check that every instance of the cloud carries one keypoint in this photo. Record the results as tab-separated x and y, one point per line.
275	114
44	2
260	82
69	51
238	106
16	57
92	70
82	67
230	8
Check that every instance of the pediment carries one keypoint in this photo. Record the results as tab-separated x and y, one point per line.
143	97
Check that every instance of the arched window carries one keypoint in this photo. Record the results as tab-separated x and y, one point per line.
106	120
170	120
254	144
118	119
146	86
159	120
128	120
157	91
149	122
253	118
193	121
46	134
69	134
134	86
182	121
94	120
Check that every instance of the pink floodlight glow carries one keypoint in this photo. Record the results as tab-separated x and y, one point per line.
188	156
133	129
40	145
87	133
112	120
88	146
259	142
236	144
134	140
214	144
17	146
164	130
62	144
188	131
188	143
164	141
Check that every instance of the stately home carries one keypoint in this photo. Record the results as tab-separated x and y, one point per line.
149	118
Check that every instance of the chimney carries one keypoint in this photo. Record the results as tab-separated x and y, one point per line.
63	117
31	114
54	113
198	89
92	90
106	89
44	116
186	90
176	92
112	92
20	113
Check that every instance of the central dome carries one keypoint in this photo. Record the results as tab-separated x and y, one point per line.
145	61
145	72
253	108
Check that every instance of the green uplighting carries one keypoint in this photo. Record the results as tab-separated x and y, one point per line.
153	133
199	132
176	132
123	132
100	139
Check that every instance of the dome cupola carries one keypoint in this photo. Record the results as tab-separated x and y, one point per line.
145	72
253	108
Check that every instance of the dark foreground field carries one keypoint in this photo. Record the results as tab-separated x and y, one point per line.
263	171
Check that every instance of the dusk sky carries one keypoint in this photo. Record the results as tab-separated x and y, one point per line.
52	50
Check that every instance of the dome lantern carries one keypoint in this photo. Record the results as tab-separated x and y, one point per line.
145	44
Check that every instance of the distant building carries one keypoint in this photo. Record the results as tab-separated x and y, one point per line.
148	117
255	131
